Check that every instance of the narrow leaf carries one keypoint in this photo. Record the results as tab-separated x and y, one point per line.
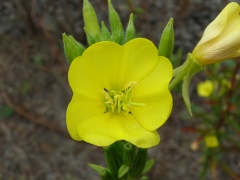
123	170
149	164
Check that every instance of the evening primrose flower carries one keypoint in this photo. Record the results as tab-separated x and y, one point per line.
211	141
119	93
221	39
205	89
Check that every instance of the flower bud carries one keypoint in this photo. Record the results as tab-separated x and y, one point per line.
72	48
221	38
205	89
211	141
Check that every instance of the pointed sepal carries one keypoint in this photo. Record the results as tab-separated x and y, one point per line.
104	172
166	43
72	48
194	67
91	25
115	24
139	163
106	35
130	31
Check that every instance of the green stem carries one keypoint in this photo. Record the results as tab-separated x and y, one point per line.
179	73
176	80
189	68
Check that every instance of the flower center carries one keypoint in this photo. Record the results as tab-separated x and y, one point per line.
120	101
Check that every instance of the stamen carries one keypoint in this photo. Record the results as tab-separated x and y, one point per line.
105	89
117	101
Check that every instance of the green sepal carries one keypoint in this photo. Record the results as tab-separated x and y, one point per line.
115	24
139	163
149	164
72	48
144	178
166	43
91	38
104	172
185	93
123	170
130	30
194	67
113	155
185	73
106	36
128	153
91	24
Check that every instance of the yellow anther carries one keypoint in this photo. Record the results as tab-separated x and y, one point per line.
131	84
117	101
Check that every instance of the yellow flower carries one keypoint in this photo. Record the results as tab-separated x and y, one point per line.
205	89
221	39
119	93
211	141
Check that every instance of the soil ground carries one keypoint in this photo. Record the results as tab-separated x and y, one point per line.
34	92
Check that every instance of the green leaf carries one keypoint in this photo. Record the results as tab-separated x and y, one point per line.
123	170
115	24
104	172
37	59
149	164
166	43
100	169
144	178
130	31
72	48
6	111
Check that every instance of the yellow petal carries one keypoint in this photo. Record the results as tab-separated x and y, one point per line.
215	27
156	110
105	129
105	58
233	18
157	80
84	79
153	92
223	23
80	108
139	60
115	66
